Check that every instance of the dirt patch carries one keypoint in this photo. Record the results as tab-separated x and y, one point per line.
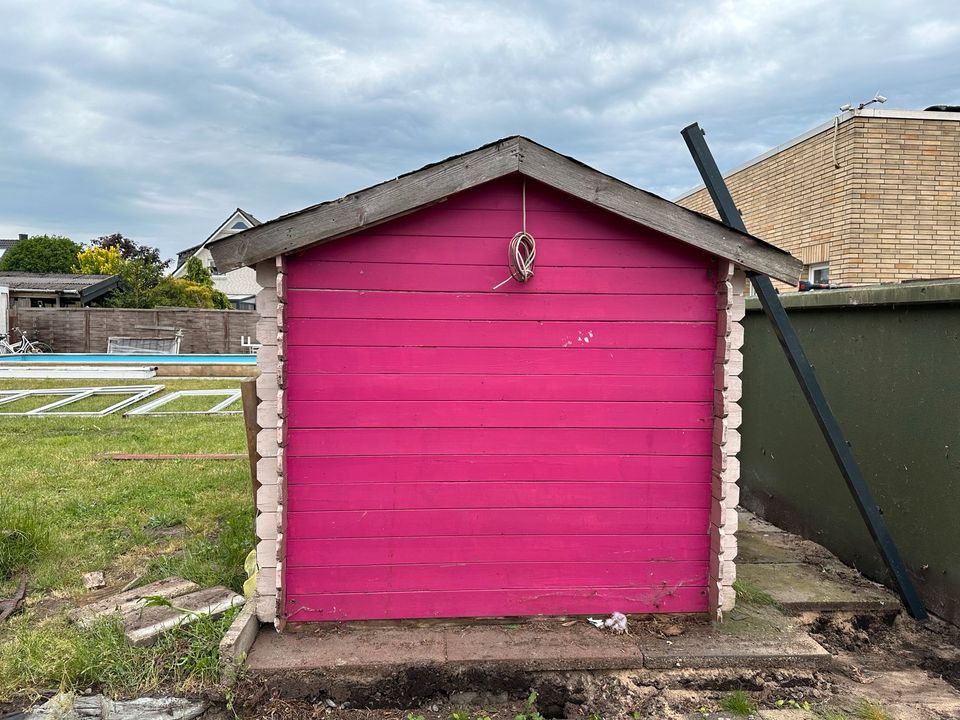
435	695
854	633
887	642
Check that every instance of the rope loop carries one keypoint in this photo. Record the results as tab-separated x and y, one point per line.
522	250
521	255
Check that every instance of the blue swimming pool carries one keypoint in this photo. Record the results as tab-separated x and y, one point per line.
88	358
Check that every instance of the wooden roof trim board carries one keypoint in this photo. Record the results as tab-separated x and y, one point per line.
432	183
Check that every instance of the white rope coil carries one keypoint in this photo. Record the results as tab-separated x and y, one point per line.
521	252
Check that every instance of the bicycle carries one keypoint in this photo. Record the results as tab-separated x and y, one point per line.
24	346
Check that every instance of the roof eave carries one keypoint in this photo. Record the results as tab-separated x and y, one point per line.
366	208
431	184
92	292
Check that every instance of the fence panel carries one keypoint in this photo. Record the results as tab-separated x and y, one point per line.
80	330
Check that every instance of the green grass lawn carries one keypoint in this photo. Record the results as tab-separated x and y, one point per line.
64	511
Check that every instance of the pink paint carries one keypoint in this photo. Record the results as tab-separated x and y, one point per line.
582	360
506	548
512	494
481	279
367	304
414	414
493	603
489	334
654	251
496	441
515	388
503	576
493	468
452	450
492	521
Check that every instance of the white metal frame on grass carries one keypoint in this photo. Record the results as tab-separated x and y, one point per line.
68	396
230	397
76	372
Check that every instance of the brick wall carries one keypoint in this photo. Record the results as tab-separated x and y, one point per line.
890	212
79	330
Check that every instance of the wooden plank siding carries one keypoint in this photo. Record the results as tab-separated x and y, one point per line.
450	450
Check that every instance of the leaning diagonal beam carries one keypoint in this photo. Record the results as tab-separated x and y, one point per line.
807	379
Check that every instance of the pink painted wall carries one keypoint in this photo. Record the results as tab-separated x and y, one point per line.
539	449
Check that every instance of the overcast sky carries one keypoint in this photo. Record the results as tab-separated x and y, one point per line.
156	119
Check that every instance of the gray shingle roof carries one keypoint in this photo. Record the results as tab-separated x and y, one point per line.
84	287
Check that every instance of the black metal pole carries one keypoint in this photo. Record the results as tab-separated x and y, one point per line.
803	370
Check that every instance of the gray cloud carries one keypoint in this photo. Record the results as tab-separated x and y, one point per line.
157	118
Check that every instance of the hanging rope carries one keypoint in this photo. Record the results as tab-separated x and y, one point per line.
522	251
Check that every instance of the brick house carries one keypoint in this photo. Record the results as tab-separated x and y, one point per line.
873	197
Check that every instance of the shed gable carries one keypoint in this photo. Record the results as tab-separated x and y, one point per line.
454	450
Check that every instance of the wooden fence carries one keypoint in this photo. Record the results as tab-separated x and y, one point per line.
86	330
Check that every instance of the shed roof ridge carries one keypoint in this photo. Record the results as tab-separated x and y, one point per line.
516	153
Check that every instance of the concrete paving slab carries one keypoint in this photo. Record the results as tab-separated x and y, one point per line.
131	600
238	640
714	649
747	522
762	547
798	587
143	627
347	646
757	548
788	714
542	647
352	649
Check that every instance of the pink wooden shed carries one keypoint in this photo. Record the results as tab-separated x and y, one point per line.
434	443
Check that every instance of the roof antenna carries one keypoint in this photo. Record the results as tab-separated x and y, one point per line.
878	98
847	107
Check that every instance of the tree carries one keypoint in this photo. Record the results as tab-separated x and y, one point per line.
181	292
129	249
41	253
196	272
137	282
99	261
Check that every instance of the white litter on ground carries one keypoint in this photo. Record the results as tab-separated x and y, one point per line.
616	623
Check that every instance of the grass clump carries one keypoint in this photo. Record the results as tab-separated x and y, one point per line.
749	593
738	703
24	537
216	560
56	654
867	710
109	515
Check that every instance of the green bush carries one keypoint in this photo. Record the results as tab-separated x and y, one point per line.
40	254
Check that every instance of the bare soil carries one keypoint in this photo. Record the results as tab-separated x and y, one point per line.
912	669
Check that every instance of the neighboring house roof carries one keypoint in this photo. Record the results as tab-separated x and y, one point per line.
380	203
230	226
934	112
7	243
82	287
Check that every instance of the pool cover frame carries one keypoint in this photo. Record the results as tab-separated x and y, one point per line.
71	395
150	408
